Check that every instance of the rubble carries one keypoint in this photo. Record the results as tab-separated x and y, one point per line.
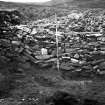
81	48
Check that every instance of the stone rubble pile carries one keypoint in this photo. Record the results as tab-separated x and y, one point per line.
82	53
86	56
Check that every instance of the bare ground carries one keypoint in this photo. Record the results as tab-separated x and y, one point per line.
45	82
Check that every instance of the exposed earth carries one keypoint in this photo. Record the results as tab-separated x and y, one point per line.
39	84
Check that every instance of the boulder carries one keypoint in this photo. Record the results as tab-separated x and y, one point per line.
26	65
102	65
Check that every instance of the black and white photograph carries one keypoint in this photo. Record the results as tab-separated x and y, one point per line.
52	52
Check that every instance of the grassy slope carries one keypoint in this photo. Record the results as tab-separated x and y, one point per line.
39	11
36	11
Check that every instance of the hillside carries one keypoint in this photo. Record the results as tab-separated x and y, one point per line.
78	3
34	11
57	3
16	5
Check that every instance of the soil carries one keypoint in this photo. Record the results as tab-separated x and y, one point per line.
44	82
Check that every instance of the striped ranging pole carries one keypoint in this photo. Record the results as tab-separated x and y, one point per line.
57	42
68	33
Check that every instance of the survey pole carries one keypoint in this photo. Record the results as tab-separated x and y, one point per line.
57	42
